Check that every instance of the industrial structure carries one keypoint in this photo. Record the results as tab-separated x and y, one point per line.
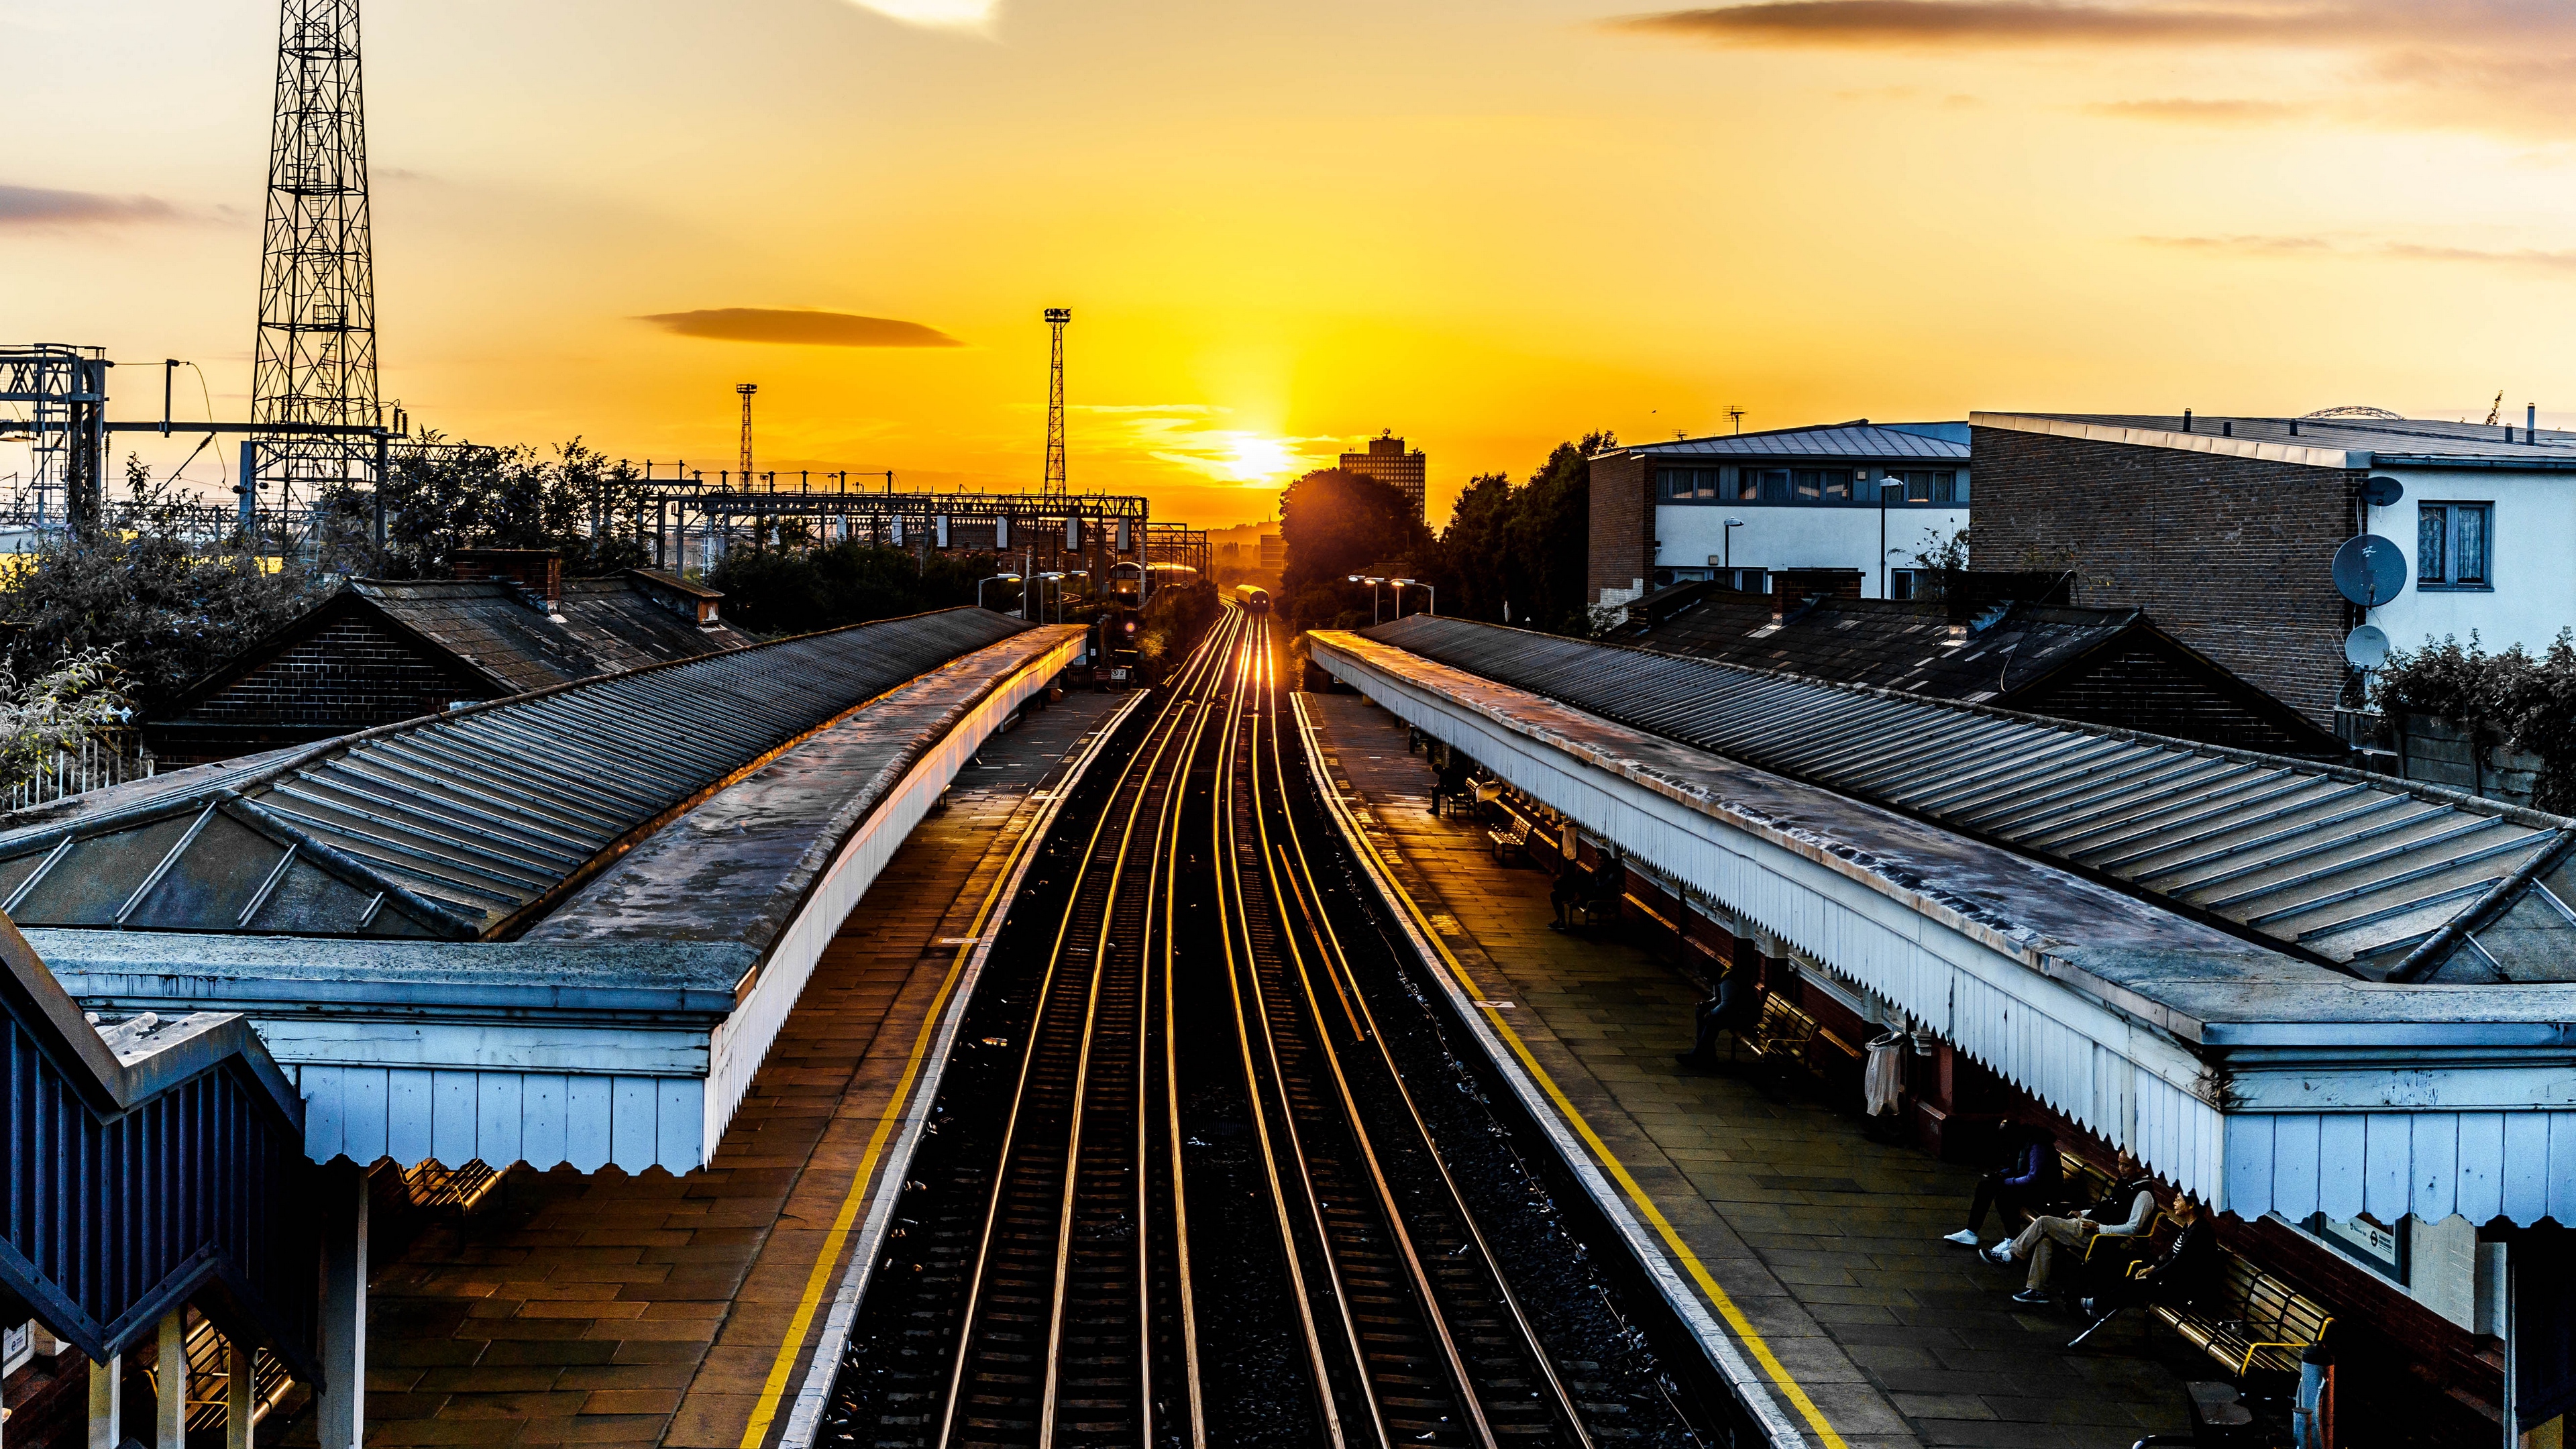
1056	318
315	362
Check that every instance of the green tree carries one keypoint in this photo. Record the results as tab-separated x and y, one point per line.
147	590
445	496
776	591
1518	554
1335	524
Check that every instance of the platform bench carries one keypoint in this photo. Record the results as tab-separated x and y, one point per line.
1780	1035
1511	840
2249	1320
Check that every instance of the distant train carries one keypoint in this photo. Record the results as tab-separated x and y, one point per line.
1156	577
1254	599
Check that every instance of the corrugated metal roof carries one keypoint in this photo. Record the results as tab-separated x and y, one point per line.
2353	868
455	825
1860	441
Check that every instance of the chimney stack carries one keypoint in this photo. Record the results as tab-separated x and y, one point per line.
537	571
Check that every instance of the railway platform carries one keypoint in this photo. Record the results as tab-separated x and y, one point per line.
650	1309
1823	1245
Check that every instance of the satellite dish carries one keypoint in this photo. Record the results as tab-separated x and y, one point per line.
2365	647
2369	570
2381	492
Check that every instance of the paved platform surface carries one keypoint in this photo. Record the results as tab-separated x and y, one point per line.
1827	1241
651	1310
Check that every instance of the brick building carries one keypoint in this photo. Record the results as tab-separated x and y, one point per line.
1860	499
2225	529
377	651
1388	462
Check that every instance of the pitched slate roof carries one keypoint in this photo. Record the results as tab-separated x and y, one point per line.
598	627
2376	873
2107	666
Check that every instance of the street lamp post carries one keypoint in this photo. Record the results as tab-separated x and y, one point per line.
1372	583
1732	525
995	579
1432	589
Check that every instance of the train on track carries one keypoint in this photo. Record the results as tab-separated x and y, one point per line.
1254	598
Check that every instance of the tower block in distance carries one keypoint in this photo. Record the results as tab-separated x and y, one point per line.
1056	318
315	361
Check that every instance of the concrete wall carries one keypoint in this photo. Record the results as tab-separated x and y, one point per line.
2232	555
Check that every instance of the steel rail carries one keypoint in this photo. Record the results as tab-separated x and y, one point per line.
1136	776
1335	963
1233	914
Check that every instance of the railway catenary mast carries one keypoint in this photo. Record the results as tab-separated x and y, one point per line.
1056	318
315	357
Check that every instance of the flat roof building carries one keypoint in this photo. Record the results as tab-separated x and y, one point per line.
2226	529
1388	462
1856	500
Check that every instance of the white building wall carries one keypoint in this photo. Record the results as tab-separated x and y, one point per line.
1802	536
2534	565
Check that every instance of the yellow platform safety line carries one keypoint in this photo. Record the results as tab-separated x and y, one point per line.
1717	1296
765	1411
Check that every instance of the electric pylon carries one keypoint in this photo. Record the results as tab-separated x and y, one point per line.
746	389
1056	318
316	357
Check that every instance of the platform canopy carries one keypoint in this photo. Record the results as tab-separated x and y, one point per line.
2175	946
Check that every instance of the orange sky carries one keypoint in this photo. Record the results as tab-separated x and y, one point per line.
1284	226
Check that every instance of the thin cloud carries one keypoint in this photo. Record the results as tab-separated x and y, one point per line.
969	16
800	327
2185	111
2526	258
2269	246
1979	24
37	206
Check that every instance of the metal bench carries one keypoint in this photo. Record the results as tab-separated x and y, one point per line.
2249	1320
1511	840
1780	1035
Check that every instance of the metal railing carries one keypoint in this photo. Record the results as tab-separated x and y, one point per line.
103	758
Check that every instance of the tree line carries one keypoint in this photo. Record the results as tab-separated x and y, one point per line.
1512	553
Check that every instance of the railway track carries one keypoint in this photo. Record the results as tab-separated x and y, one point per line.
1179	1192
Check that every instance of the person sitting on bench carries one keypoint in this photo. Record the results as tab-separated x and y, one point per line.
1722	1010
1565	894
2027	1181
2178	1274
2126	1207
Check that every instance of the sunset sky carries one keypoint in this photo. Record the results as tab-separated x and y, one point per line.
1284	226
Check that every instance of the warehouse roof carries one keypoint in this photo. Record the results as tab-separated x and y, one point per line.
597	627
461	825
2390	878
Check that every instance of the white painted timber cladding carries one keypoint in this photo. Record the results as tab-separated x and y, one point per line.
2131	1084
414	1115
742	1040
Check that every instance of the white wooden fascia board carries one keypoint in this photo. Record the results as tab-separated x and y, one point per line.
2523	1085
2192	442
1668	823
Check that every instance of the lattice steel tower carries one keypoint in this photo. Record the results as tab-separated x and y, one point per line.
1056	318
746	389
316	358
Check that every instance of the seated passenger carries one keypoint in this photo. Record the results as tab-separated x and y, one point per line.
2124	1210
2027	1181
2178	1274
1723	1010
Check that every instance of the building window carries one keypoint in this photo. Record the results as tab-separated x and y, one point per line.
1907	583
1933	485
1751	581
1686	484
1824	485
1762	485
2453	545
